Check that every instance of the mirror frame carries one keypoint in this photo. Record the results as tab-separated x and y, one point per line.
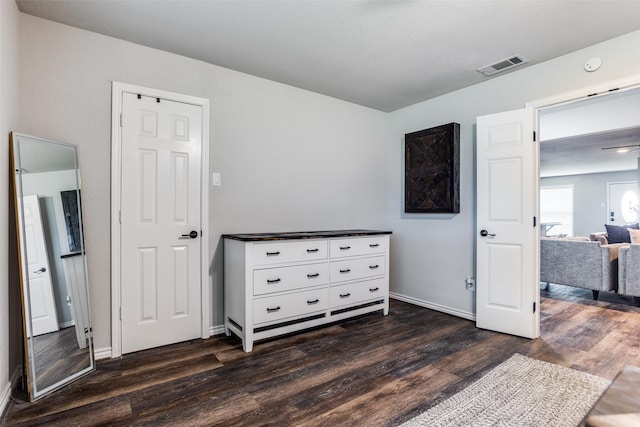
29	366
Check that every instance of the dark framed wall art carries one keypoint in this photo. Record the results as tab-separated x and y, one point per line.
432	170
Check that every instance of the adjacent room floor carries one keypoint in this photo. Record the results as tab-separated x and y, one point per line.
369	371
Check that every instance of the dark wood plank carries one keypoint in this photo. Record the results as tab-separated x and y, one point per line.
371	370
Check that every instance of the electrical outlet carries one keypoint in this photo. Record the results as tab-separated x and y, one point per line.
470	284
216	179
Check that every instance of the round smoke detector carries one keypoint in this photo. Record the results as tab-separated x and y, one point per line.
592	64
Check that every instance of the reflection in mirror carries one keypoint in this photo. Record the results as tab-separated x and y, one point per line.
57	329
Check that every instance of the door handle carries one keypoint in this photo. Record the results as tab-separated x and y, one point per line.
42	270
485	233
191	235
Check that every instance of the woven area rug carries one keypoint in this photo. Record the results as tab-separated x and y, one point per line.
519	392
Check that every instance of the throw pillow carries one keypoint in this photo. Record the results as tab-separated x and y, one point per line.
618	233
634	235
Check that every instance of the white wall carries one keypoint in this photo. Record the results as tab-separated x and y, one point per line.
589	197
10	314
290	159
585	117
432	254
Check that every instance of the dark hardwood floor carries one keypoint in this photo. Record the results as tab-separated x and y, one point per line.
56	354
369	371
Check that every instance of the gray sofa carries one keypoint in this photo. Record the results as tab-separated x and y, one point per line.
629	272
580	262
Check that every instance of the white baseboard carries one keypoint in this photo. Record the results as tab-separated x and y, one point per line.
216	330
437	307
105	353
102	353
5	393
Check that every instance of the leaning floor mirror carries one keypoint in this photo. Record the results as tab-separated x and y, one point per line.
55	301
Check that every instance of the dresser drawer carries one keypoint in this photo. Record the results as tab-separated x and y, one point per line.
279	279
354	269
281	307
355	293
339	248
283	252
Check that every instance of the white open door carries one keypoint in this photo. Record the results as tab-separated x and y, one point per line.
41	307
507	282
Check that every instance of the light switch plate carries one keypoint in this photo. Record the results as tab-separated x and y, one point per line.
216	179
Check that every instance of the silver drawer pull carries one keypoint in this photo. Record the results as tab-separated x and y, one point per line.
273	281
346	270
310	251
374	245
313	276
273	310
373	267
374	289
347	295
273	253
313	301
345	248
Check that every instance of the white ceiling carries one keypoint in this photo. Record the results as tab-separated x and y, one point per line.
381	54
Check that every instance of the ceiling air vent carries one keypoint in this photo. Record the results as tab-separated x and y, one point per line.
503	65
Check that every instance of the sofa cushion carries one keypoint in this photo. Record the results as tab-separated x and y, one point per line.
634	235
619	233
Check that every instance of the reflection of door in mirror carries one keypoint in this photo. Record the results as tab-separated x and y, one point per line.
57	323
77	290
42	308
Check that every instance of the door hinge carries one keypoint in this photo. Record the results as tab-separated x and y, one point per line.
534	222
534	307
121	313
534	135
120	217
120	119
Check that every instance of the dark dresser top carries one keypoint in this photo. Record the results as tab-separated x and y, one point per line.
259	237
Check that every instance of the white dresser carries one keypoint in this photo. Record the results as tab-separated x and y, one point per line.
276	283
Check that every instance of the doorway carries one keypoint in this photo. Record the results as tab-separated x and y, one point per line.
159	218
590	144
622	202
519	131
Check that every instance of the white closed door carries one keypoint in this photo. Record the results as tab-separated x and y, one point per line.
622	202
41	308
507	293
160	222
